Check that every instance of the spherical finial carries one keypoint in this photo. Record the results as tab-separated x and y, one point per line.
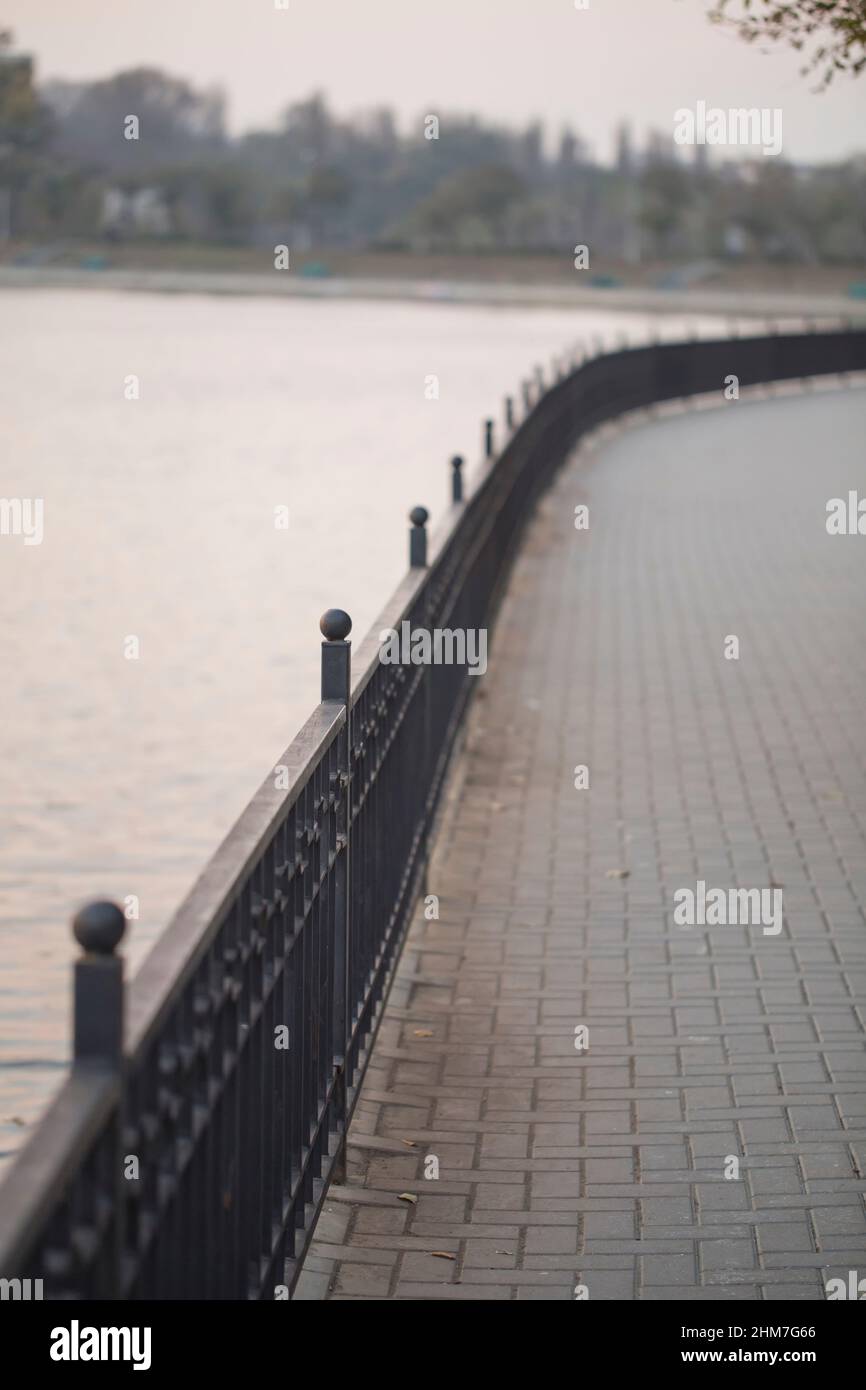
335	625
419	516
99	927
457	463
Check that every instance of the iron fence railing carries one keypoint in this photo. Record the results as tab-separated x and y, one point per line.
188	1152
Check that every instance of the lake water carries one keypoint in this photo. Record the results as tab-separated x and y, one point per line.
119	777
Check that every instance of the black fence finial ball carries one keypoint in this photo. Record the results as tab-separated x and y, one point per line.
99	928
335	625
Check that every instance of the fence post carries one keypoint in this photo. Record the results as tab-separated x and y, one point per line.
456	479
527	397
335	626
98	986
488	439
509	412
98	1022
418	538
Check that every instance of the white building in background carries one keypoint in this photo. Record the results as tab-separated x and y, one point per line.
143	212
736	240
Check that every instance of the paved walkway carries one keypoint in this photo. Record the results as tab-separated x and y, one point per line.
606	1167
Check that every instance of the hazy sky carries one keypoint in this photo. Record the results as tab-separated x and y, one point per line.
510	60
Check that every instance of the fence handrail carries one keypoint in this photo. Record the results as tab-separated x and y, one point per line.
300	912
66	1130
174	955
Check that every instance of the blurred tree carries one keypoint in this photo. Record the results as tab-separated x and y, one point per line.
176	122
625	156
24	128
309	127
285	202
530	160
328	190
464	203
227	196
24	120
665	192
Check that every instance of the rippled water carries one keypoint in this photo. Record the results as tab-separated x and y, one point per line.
120	776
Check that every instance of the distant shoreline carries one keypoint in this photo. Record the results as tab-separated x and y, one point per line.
699	300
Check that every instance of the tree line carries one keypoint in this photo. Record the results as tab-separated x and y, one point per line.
450	183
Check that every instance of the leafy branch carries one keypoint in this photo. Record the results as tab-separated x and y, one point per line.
830	33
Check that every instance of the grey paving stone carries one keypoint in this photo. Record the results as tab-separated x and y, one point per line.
706	1041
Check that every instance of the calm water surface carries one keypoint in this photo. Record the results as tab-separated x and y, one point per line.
120	776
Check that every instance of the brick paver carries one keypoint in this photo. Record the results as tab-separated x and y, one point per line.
606	1167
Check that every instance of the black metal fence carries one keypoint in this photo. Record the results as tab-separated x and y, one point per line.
188	1153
